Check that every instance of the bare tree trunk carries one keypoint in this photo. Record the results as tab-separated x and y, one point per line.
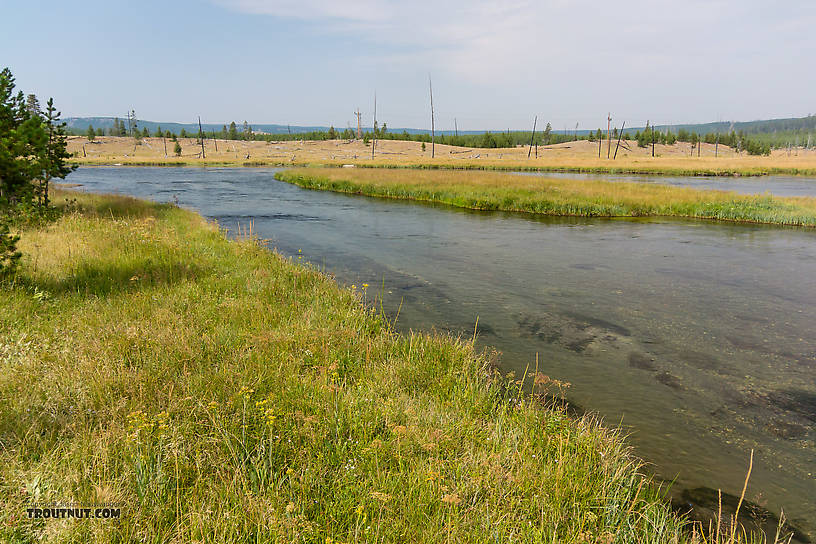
620	135
433	134
608	134
374	138
532	137
201	138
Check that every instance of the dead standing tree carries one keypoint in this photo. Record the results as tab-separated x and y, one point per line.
620	134
532	137
374	138
359	124
201	138
433	135
608	134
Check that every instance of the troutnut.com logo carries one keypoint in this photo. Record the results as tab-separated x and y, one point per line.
98	511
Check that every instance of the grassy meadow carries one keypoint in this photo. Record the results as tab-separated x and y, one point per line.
219	392
566	197
578	156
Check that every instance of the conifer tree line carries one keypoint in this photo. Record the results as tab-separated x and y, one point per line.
32	153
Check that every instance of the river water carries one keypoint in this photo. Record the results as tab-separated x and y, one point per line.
695	336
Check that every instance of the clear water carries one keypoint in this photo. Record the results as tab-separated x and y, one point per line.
754	185
698	337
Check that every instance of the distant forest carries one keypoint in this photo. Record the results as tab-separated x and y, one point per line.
754	137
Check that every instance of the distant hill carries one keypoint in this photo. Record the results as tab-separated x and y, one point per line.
80	124
769	126
776	130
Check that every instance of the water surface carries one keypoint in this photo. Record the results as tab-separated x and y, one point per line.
696	336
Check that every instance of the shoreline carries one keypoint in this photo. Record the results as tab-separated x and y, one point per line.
668	172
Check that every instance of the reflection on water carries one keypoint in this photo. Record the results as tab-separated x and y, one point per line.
696	336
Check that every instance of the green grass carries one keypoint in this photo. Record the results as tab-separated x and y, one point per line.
590	198
219	392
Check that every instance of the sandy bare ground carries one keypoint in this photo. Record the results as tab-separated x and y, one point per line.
571	155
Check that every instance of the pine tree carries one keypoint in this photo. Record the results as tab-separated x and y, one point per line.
91	133
55	154
32	152
233	131
177	149
33	105
547	134
158	133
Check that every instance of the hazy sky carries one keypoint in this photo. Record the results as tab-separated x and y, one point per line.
495	64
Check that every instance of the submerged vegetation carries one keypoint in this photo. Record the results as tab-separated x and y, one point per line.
592	198
216	391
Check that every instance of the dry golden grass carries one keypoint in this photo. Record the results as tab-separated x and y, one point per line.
572	156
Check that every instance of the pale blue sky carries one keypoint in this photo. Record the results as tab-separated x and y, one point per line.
494	64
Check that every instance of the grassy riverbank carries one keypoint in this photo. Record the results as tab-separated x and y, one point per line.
593	198
218	392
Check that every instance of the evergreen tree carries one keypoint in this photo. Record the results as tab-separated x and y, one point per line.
332	135
52	164
158	133
546	136
177	149
233	131
91	134
145	133
32	151
183	133
33	105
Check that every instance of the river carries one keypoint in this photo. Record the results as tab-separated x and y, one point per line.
695	336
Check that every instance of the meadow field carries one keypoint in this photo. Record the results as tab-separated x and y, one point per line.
555	196
579	156
218	392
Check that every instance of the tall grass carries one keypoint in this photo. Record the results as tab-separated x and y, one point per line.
592	198
221	393
218	392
